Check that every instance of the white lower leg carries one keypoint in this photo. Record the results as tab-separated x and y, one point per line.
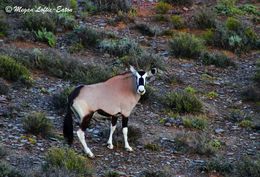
81	136
110	140
125	132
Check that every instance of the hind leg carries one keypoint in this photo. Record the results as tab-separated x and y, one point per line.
112	130
81	134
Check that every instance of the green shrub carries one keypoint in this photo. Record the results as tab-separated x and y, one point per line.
177	21
212	95
186	45
37	124
160	18
162	7
180	2
194	143
217	59
7	170
149	94
46	36
3	24
215	144
257	74
250	8
183	102
147	173
76	47
60	100
145	29
118	47
112	174
248	167
195	122
233	24
228	7
190	90
152	147
205	18
113	6
2	152
66	21
12	70
246	123
252	93
74	4
69	160
220	165
37	21
89	37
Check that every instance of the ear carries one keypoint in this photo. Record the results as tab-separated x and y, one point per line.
152	72
132	69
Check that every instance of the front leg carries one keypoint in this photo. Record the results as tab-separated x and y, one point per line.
112	129
125	133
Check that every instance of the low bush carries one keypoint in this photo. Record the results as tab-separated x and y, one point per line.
228	7
46	36
37	21
154	174
252	93
60	100
160	18
66	21
195	122
59	65
67	159
205	18
248	167
246	123
220	165
3	24
180	2
152	147
190	90
74	4
89	37
12	70
183	102
233	24
250	9
112	174
7	170
145	29
162	7
239	41
149	94
112	5
257	74
2	151
212	95
37	124
186	45
177	21
118	47
194	143
217	59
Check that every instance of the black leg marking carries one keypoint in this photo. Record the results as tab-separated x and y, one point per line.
85	122
124	121
114	120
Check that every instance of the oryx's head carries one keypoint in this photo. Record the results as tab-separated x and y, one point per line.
141	77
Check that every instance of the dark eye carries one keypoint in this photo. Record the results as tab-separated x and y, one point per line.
153	70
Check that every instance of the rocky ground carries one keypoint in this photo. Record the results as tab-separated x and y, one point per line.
26	152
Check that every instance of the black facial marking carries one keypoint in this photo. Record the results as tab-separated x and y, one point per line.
141	73
141	81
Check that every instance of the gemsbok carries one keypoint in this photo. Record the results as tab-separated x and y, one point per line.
117	95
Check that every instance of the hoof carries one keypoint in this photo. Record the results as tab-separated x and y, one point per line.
91	156
129	149
110	146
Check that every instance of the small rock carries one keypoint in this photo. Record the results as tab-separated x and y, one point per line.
219	130
185	9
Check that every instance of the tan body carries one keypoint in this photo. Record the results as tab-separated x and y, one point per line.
112	96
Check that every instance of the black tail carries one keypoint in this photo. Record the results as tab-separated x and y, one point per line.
68	126
68	121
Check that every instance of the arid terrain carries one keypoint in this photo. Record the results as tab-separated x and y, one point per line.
199	117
